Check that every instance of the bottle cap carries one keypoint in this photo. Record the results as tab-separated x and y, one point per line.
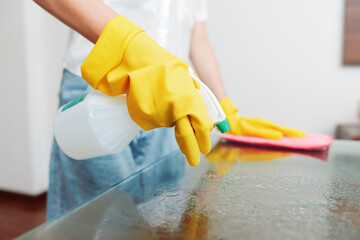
223	126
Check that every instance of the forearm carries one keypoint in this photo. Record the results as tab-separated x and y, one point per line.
203	57
87	17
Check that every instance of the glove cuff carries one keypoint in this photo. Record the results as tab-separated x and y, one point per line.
108	50
228	107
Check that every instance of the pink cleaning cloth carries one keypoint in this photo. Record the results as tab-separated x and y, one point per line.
309	142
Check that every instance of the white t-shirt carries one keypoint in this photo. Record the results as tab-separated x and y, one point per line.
168	22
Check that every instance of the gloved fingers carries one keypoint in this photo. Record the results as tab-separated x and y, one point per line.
257	131
287	131
292	132
235	124
255	127
261	122
186	140
202	134
258	127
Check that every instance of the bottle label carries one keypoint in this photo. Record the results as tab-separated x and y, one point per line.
74	102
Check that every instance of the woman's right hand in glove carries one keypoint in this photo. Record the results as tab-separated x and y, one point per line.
160	92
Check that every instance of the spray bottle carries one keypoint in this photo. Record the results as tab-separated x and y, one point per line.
95	124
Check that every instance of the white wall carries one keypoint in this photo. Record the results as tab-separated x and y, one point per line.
13	94
282	60
30	72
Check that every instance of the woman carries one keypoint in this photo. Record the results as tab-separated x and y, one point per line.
127	60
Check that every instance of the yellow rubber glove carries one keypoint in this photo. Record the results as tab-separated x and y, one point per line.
256	127
158	87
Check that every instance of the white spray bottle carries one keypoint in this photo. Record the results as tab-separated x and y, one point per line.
95	124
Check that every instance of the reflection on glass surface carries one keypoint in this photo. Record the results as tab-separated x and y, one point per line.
238	192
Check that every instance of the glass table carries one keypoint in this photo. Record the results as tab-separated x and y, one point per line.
236	192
